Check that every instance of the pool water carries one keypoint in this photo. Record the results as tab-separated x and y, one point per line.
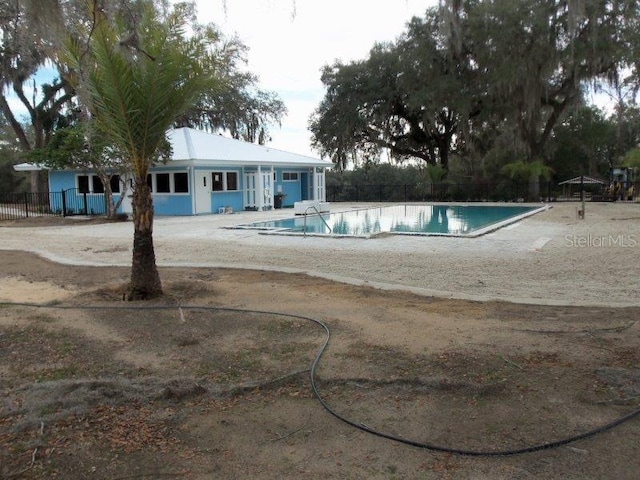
452	220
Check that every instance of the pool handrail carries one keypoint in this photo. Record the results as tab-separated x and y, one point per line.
319	215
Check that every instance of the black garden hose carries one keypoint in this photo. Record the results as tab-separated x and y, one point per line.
353	423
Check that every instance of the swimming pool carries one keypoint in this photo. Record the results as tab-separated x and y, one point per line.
449	220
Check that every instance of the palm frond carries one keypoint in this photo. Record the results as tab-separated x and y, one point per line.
137	96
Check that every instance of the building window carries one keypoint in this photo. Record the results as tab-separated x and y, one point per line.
290	176
168	182
163	184
115	183
223	181
96	184
181	182
232	180
91	183
83	183
217	185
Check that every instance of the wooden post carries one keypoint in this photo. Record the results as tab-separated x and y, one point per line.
581	212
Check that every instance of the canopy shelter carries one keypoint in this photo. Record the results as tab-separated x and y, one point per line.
595	186
583	179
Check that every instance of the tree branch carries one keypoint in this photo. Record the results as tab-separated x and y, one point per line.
17	88
15	125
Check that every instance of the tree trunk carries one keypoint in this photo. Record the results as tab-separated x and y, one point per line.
534	187
34	182
108	200
38	182
145	280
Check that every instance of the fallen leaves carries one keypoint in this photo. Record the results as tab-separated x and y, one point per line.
130	428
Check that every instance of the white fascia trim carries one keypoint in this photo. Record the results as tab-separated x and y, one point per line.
28	167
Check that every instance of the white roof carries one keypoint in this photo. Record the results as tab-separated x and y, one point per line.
28	167
208	148
211	149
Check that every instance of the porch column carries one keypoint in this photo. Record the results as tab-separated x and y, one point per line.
314	193
323	189
260	190
243	184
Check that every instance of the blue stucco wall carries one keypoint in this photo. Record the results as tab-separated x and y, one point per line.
292	189
172	204
176	203
231	199
61	180
73	202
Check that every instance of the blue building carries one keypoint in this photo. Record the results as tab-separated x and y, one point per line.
208	173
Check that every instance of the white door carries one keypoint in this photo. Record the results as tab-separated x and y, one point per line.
250	193
267	190
203	191
318	184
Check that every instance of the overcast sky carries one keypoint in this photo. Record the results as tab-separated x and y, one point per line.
291	40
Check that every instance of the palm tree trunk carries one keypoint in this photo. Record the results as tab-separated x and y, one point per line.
145	280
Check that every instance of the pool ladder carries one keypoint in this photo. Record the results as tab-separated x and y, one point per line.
321	218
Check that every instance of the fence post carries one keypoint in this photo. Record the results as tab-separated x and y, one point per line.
84	195
64	203
26	204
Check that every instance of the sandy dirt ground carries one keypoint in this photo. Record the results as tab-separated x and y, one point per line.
552	257
93	391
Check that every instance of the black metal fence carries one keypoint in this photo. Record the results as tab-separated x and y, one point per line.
65	203
74	202
447	191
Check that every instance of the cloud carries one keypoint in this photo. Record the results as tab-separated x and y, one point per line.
291	40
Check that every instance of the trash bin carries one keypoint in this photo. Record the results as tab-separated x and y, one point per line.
277	200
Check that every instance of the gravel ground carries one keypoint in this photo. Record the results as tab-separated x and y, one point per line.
550	258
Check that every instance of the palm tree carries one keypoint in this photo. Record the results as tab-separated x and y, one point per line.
522	170
139	82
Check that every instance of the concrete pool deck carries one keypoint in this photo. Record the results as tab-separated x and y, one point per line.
550	258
